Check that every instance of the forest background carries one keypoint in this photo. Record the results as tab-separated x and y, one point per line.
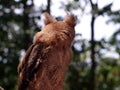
96	62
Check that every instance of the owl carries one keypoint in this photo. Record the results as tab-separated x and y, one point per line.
44	64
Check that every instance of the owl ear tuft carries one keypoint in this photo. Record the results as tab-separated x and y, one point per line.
48	19
70	20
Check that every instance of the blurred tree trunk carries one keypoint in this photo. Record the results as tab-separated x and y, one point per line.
48	6
95	13
93	62
26	25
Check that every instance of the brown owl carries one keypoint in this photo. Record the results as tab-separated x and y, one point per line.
44	65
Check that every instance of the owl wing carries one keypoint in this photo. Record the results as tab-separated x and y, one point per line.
33	59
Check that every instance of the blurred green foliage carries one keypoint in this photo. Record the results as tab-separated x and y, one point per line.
18	23
17	27
107	71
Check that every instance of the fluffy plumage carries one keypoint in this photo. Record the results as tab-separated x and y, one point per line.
46	60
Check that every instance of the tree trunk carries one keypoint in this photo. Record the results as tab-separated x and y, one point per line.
26	25
93	62
48	6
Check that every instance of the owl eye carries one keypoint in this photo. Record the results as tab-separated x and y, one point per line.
67	34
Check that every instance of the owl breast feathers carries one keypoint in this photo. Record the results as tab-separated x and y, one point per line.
44	65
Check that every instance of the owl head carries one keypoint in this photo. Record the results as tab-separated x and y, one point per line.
59	32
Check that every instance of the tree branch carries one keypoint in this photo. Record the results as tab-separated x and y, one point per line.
48	6
91	3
